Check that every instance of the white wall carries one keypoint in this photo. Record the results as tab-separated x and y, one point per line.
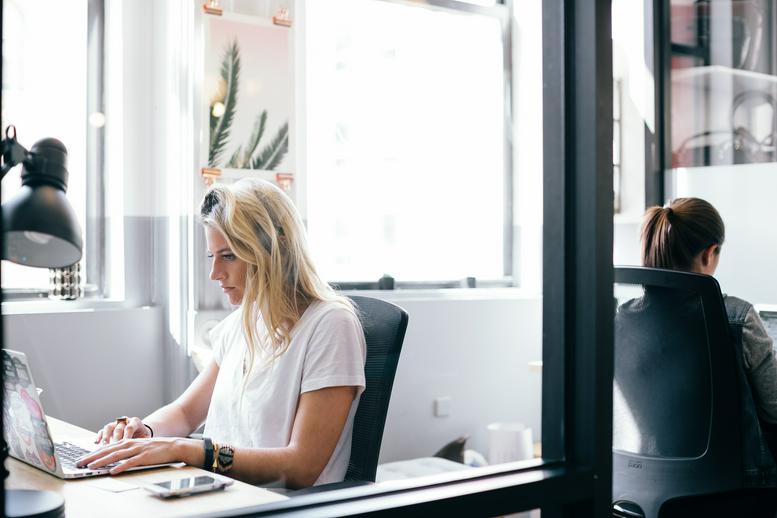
745	197
475	349
92	364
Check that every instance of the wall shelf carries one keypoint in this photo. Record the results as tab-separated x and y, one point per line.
724	80
722	115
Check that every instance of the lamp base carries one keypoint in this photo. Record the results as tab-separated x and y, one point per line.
30	503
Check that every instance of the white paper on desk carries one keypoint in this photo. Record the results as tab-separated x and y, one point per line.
111	484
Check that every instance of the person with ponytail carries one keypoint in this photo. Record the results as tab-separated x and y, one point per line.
279	397
688	235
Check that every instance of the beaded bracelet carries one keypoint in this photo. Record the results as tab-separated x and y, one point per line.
215	463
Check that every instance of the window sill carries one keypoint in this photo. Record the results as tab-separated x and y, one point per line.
448	294
40	306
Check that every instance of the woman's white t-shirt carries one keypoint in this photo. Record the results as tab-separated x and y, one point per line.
327	349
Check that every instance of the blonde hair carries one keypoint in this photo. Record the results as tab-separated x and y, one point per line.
263	229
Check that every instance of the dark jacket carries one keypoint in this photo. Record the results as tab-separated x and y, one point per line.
757	458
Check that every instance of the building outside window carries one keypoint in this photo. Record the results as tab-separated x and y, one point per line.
408	164
45	94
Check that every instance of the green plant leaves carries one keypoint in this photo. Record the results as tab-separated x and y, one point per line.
244	156
220	126
242	159
274	152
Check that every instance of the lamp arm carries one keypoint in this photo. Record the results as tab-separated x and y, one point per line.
12	152
4	170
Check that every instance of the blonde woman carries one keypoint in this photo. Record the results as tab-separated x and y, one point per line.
279	397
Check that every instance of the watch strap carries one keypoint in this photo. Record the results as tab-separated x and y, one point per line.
207	462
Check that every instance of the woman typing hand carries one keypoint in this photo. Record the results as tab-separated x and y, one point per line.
123	428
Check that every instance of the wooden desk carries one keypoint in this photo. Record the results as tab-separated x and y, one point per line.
85	497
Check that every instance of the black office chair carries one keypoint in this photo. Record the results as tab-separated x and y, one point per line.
384	327
684	423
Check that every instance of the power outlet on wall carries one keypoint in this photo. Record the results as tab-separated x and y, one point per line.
442	406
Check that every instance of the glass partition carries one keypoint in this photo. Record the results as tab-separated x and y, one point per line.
720	124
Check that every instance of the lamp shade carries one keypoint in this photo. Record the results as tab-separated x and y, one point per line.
40	226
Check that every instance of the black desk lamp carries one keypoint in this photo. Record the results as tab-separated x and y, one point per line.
39	229
39	225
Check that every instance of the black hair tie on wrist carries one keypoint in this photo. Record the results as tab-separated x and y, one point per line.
149	428
207	464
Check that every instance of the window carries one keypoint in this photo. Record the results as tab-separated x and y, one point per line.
574	477
406	140
46	94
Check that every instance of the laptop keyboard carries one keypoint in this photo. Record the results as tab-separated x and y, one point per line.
68	453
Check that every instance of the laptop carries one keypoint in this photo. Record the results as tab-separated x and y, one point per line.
768	315
27	432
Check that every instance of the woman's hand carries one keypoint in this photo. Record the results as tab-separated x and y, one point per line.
129	428
142	452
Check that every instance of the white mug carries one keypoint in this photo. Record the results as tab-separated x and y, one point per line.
509	442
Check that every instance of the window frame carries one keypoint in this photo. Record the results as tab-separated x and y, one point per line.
502	11
574	478
95	246
95	241
577	307
658	149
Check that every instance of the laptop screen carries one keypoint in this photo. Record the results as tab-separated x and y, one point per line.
770	322
24	422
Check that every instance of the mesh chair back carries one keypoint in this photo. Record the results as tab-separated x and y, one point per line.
384	331
662	344
676	410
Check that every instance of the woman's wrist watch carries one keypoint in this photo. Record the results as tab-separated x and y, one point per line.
224	456
208	457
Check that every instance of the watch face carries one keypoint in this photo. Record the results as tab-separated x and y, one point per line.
225	458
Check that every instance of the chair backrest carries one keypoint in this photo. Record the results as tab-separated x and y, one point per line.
384	327
676	407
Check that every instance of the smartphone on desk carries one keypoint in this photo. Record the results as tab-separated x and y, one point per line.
188	486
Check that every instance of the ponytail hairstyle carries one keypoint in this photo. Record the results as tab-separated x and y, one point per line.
673	236
263	229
